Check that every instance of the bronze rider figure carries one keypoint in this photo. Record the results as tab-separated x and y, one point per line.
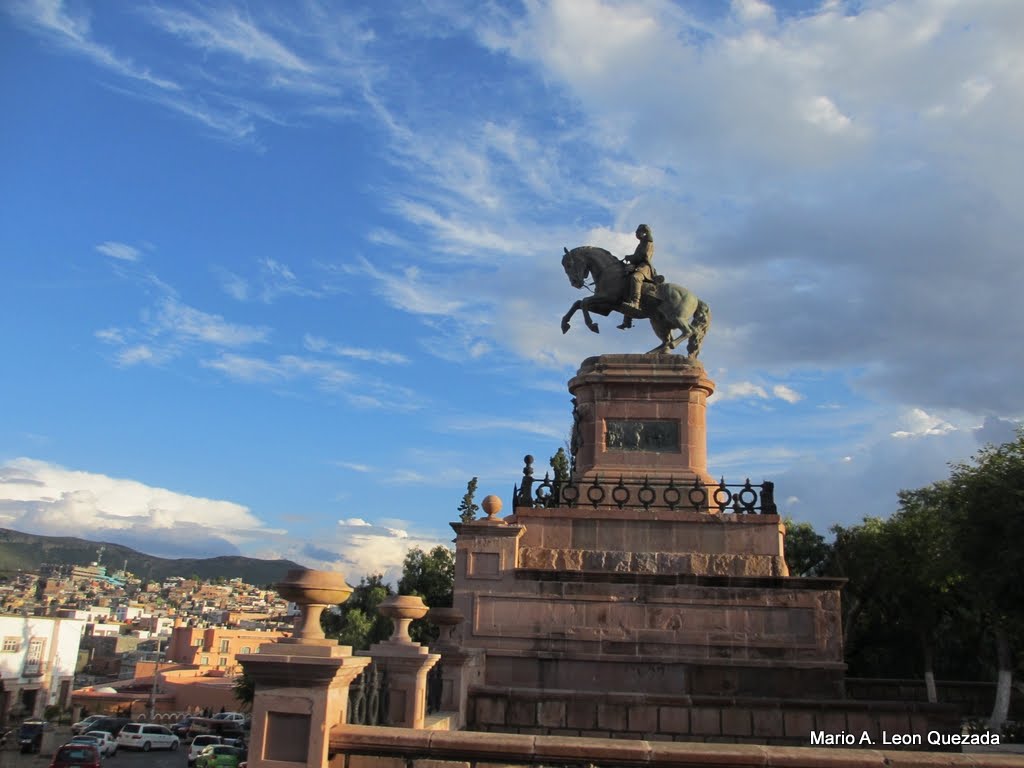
641	270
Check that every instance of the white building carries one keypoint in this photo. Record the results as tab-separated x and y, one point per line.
37	663
105	630
126	613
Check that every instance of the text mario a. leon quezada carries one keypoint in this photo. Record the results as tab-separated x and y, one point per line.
932	738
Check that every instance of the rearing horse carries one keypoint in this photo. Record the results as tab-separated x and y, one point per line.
668	306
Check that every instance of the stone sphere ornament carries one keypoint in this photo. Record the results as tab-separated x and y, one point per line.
492	506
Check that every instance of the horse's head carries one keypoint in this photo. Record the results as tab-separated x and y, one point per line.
576	268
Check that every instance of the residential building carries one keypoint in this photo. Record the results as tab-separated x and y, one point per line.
215	648
37	663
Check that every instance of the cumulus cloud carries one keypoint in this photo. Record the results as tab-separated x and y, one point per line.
918	423
48	499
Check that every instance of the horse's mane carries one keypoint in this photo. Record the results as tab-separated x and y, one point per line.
600	253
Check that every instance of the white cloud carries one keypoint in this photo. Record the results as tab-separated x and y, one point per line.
788	394
355	466
382	356
499	426
48	499
224	30
51	18
117	250
192	324
748	390
919	423
133	355
753	11
412	291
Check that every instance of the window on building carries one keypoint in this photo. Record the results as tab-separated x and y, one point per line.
35	651
245	649
12	644
224	645
223	661
198	642
204	660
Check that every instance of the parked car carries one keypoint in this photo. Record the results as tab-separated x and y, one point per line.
76	756
199	743
180	728
236	716
108	744
111	725
220	756
146	737
30	735
85	724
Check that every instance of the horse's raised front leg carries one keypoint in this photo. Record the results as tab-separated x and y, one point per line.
585	306
569	314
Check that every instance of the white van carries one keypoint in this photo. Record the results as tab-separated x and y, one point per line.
146	737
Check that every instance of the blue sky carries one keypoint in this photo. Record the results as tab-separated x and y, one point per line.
279	279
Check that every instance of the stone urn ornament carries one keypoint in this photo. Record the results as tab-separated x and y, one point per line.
446	619
403	610
312	592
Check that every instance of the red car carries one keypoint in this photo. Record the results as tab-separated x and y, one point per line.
76	756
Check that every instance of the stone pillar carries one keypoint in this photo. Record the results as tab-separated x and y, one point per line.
460	667
406	663
486	554
641	416
301	682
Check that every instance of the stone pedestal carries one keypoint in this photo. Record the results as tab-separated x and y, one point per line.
460	667
301	682
406	663
641	416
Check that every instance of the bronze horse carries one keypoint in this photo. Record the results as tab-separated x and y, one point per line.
668	306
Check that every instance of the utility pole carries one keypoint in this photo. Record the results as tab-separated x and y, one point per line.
156	677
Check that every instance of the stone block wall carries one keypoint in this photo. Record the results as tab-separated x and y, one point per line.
711	719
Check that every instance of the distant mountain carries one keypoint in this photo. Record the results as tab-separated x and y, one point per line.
27	552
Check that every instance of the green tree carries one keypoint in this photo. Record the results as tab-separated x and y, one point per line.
989	492
432	577
560	465
245	691
357	622
806	550
929	579
467	509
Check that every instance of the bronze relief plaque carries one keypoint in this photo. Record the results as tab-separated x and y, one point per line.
659	436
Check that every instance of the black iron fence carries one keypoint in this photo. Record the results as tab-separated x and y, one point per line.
738	498
435	688
368	698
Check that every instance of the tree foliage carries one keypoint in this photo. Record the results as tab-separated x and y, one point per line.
560	466
357	622
934	589
806	550
430	575
467	508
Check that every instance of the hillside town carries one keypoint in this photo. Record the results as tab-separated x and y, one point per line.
87	639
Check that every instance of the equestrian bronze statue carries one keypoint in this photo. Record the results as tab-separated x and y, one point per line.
668	306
